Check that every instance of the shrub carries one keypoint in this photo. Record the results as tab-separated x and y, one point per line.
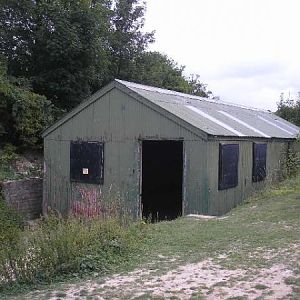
76	245
24	114
291	161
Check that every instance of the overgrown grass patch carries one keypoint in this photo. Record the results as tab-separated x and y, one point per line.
69	247
11	226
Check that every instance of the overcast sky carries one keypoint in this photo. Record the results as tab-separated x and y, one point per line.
247	51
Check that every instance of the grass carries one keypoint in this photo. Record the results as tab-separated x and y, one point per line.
260	287
264	223
258	234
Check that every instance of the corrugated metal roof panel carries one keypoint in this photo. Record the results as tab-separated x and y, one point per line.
217	117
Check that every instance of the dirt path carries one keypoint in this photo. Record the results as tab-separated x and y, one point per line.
203	280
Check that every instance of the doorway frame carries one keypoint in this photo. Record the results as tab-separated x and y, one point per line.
140	172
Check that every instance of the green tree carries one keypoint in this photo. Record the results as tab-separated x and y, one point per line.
156	69
289	109
24	114
60	46
70	60
199	88
68	49
17	31
127	41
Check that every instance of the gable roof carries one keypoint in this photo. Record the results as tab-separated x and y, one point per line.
217	117
214	117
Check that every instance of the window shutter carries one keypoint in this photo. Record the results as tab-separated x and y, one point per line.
87	162
259	162
228	165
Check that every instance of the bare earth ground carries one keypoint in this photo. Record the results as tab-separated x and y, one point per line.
206	279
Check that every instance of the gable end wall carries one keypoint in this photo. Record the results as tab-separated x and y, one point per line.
121	122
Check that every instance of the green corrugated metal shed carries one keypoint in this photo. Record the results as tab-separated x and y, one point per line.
123	115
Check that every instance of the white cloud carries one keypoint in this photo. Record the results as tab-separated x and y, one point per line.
250	69
246	50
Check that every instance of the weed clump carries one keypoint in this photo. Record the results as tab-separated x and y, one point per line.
11	225
58	246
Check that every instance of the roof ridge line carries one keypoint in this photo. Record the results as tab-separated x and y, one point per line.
131	84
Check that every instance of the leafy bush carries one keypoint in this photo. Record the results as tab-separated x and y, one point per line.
292	162
24	114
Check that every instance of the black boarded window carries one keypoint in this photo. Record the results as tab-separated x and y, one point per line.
87	162
259	162
228	165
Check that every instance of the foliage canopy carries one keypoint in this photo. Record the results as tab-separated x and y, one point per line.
289	109
23	113
60	52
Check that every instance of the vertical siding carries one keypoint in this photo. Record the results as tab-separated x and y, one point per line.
196	178
120	122
221	201
276	160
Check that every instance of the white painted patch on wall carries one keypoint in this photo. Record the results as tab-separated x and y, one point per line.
243	123
218	122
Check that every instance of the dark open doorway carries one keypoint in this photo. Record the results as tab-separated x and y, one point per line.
162	175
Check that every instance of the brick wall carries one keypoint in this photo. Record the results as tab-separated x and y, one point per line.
25	196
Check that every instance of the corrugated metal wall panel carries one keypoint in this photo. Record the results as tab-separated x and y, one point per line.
221	201
120	121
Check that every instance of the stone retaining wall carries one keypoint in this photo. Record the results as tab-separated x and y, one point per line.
25	196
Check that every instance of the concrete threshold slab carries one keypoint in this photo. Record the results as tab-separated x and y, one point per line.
205	217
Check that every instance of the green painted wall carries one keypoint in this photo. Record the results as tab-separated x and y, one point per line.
121	121
221	201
